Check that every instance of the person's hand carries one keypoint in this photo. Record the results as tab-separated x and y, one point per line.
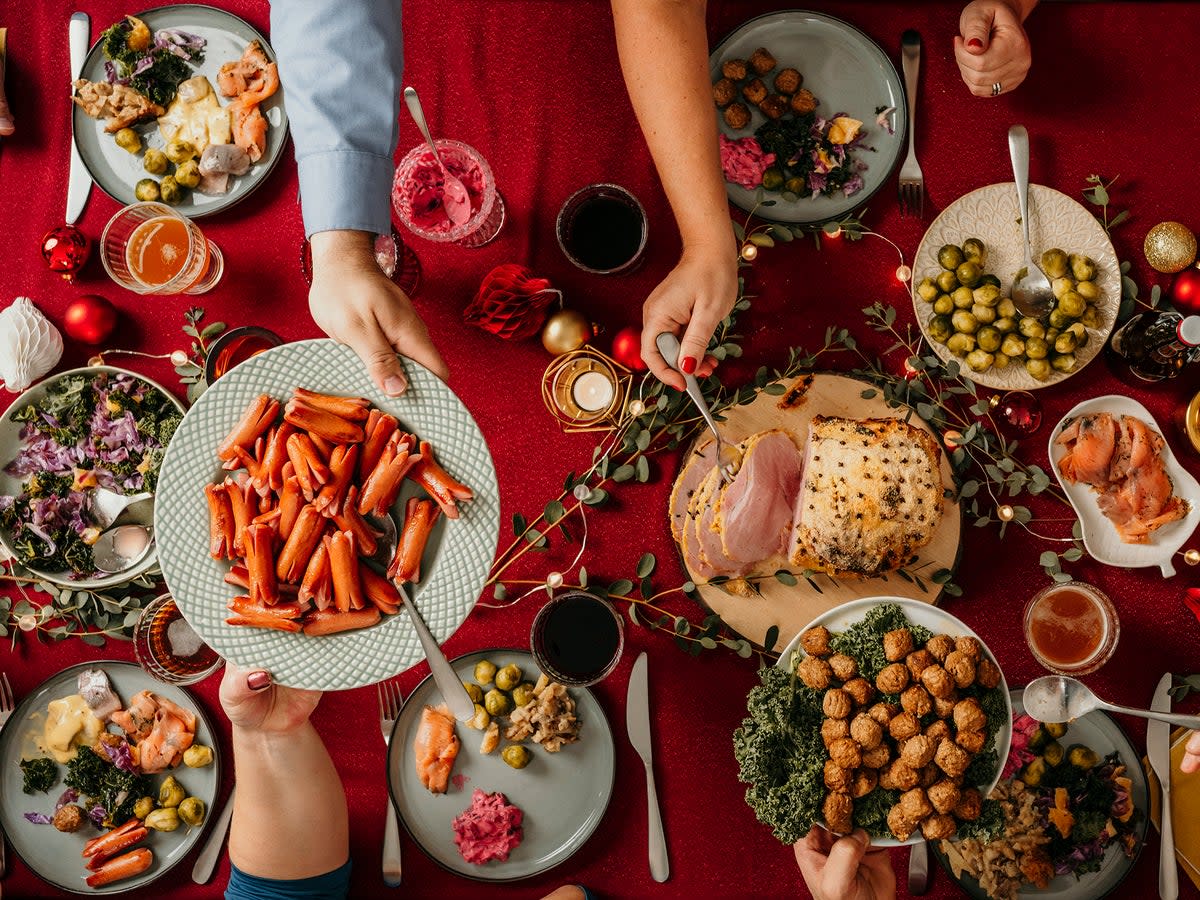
253	702
992	47
691	301
1191	755
846	868
357	305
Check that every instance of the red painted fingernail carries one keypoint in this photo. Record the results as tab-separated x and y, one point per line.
975	44
258	681
688	364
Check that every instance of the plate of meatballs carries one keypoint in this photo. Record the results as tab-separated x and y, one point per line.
928	720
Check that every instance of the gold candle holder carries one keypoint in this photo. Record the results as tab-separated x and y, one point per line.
585	390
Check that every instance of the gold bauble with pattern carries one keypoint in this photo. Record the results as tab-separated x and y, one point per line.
1170	247
566	330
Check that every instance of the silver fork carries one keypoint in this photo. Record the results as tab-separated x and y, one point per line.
389	707
6	708
912	181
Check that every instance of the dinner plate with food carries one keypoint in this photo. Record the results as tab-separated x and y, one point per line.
70	446
108	778
962	281
1136	504
180	104
1067	820
884	714
294	498
811	113
513	792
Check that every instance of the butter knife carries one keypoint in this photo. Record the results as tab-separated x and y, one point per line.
207	860
1158	750
918	868
79	181
637	721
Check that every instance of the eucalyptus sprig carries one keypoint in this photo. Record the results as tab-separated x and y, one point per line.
92	616
191	372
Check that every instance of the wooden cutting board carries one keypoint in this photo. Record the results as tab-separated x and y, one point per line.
792	607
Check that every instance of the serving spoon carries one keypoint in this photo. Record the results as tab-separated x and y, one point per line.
728	455
454	193
1031	293
106	506
1057	698
121	548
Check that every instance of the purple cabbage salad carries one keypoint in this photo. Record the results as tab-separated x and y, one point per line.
37	818
107	430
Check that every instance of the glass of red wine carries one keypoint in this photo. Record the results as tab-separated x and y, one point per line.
577	638
602	229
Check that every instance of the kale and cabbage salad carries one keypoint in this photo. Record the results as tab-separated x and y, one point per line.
106	430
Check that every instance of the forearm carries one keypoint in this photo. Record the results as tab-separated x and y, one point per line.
664	56
289	814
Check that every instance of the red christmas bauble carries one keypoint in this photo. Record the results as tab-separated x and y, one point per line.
1019	414
65	250
1185	290
627	349
511	302
90	319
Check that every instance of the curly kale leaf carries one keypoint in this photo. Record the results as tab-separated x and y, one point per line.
39	774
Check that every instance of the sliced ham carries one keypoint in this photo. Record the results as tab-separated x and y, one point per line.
695	469
754	512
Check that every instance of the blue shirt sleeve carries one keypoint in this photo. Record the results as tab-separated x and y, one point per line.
333	885
340	63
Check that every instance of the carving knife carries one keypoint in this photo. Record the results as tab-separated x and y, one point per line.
1158	750
79	182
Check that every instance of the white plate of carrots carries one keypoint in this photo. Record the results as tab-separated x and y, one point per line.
271	510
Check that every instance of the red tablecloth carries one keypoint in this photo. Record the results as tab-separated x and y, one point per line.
536	87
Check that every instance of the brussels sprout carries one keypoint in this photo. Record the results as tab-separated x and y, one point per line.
964	321
940	329
162	819
1081	756
927	290
987	295
1072	304
1051	334
975	250
1060	286
1080	332
508	677
1053	753
988	339
1065	343
1063	362
1031	327
1012	345
1057	318
946	282
1036	348
980	360
485	671
1088	290
1082	267
772	179
188	174
180	151
963	298
961	344
1001	361
146	190
143	807
128	140
474	691
1034	772
985	315
516	756
989	278
1039	739
191	810
170	792
171	190
1005	324
1055	729
943	305
480	720
794	184
1054	263
969	273
1038	368
154	162
1006	307
522	694
1091	316
950	257
197	756
497	702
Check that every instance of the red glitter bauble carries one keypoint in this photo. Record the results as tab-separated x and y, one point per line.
1185	291
1019	414
65	250
90	319
627	349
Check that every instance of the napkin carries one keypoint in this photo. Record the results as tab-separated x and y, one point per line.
1185	807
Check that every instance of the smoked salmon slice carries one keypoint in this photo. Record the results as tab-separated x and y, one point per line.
161	729
436	747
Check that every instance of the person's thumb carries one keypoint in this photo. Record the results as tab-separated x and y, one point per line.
841	870
975	27
694	343
380	359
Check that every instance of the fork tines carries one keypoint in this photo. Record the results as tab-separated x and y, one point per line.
390	699
912	198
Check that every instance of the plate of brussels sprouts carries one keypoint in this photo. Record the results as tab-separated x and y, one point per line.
964	270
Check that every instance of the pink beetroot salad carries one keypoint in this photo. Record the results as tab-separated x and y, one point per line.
490	828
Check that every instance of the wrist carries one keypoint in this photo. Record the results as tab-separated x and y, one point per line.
340	248
271	743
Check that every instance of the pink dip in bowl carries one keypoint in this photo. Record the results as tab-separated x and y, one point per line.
418	192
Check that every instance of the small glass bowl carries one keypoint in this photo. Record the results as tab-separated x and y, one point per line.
485	222
148	641
537	637
1108	642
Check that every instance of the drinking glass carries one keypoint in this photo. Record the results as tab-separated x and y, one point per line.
395	258
1042	620
416	194
150	248
602	229
167	647
577	638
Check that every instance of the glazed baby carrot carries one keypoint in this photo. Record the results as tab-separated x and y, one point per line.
441	487
418	524
379	432
260	564
343	563
317	585
220	522
379	590
352	408
329	621
258	417
301	543
133	863
322	423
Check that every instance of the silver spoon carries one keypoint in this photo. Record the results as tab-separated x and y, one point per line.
1057	698
107	506
1031	293
728	455
121	548
454	192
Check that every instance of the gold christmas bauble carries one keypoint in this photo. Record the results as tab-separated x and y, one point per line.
1170	247
566	330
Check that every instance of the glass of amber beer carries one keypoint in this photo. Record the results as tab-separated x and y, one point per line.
149	248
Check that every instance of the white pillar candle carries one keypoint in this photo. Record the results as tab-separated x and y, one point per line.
592	391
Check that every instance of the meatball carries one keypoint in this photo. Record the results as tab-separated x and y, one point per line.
815	641
971	741
943	707
837	778
917	751
803	102
899	824
866	731
844	667
937	828
896	776
837	703
892	679
877	757
897	644
969	647
917	701
724	92
737	116
788	81
951	759
987	673
761	61
944	796
937	731
915	805
961	668
968	716
860	690
832	729
815	673
755	93
969	806
883	713
69	818
838	810
904	726
918	661
864	781
939	646
774	107
930	775
937	681
845	752
735	69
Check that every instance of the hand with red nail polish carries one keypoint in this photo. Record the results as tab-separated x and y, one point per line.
1191	755
844	868
253	702
991	47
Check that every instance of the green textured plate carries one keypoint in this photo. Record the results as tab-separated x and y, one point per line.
456	561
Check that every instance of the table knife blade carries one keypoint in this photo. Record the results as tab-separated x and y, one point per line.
637	722
918	868
207	860
1158	750
79	180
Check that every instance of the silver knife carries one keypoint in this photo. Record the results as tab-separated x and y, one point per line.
207	860
79	181
918	868
637	721
1158	750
